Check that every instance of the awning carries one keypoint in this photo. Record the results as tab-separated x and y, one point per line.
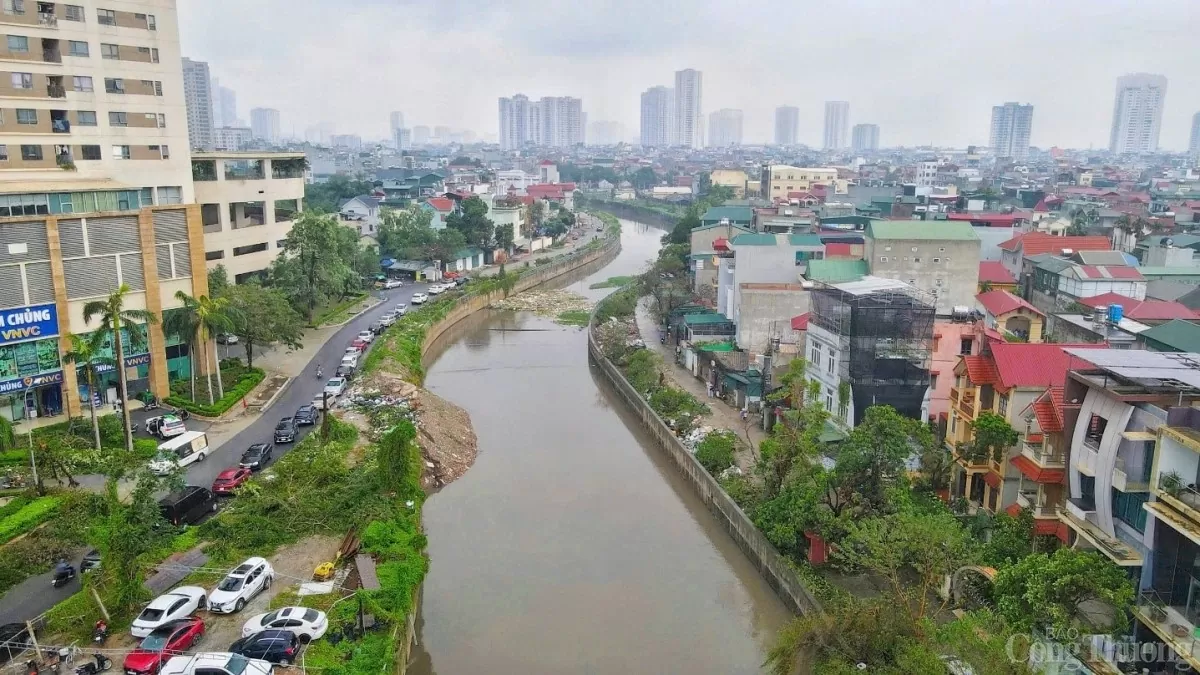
992	478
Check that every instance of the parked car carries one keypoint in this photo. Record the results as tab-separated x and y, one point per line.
350	359
306	415
359	344
166	426
335	387
401	309
256	456
387	319
178	604
187	506
180	451
419	298
227	339
173	637
91	561
366	336
377	327
308	624
14	639
285	431
274	645
240	586
392	283
462	281
318	402
216	663
434	289
345	371
230	479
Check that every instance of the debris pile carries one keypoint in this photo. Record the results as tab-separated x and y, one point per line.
546	303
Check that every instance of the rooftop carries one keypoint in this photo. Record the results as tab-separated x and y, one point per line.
1182	336
1142	310
1033	243
247	154
836	271
937	230
994	272
870	284
1046	364
1170	271
1002	302
733	213
1139	371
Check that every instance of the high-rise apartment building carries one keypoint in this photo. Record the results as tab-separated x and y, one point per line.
96	191
725	128
232	139
787	125
1011	126
555	121
402	138
420	135
514	123
396	120
865	138
264	122
689	122
224	103
837	125
1137	113
197	91
1194	140
658	117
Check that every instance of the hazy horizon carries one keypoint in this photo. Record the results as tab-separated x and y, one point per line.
926	73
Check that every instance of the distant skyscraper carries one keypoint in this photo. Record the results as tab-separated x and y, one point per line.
396	121
787	125
197	93
865	137
1194	141
837	125
556	121
658	117
224	103
1011	127
264	123
402	138
1137	113
514	122
725	128
420	135
689	121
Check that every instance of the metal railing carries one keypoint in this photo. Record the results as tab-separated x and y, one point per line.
46	19
1028	499
1043	456
51	56
60	126
56	91
1168	621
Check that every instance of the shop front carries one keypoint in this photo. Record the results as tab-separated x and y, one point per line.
30	366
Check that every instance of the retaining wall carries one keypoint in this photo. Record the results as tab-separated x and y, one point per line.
773	566
633	212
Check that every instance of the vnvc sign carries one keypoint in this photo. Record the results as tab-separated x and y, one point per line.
28	323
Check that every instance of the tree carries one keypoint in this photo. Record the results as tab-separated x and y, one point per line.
329	196
682	232
504	238
991	438
871	462
471	220
310	268
1063	590
262	316
537	213
207	317
113	318
406	233
87	354
1011	539
125	530
644	178
218	280
936	466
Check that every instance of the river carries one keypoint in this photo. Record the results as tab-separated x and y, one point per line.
572	546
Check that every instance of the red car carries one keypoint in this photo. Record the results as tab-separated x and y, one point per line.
229	479
169	639
359	344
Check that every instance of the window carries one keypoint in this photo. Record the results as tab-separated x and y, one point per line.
815	353
90	152
829	400
118	119
162	121
964	346
31	153
77	48
883	258
157	88
85	118
110	51
22	80
73	13
953	422
147	196
151	22
114	85
887	248
14	6
106	17
941	249
154	55
120	152
937	260
82	83
162	150
246	250
933	380
1095	431
18	43
916	260
913	249
214	255
1127	508
829	363
170	195
1002	405
26	116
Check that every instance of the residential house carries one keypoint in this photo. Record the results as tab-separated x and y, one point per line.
777	180
402	186
562	193
464	260
507	214
734	179
764	313
1011	315
1173	336
766	259
939	258
441	207
704	251
737	215
1148	312
1014	251
547	172
994	276
952	339
362	212
1095	328
1184	275
836	271
1058	284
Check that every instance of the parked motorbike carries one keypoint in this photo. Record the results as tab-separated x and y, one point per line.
100	634
99	664
63	575
152	404
180	413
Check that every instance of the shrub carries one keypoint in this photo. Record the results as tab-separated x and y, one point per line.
28	517
715	452
31	555
247	382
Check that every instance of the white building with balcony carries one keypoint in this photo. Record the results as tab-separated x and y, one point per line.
248	201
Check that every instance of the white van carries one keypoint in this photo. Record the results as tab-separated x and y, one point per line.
180	451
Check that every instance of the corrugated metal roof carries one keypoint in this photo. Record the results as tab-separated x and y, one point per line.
922	230
704	319
805	240
836	271
1178	335
733	213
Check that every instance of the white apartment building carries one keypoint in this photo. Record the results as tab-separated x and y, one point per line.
658	117
1137	113
248	201
1012	124
555	121
725	128
689	121
1194	140
787	125
865	138
197	93
264	122
224	102
837	125
232	139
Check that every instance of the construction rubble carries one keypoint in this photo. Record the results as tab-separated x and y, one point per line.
546	303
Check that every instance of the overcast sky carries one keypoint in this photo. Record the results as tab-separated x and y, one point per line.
926	71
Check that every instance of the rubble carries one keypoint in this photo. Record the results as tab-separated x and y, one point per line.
546	302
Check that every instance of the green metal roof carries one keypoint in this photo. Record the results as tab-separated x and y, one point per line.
921	229
735	214
836	271
1054	264
710	226
1175	335
805	240
704	319
1169	271
718	347
756	239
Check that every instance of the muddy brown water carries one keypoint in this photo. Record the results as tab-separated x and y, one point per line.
572	546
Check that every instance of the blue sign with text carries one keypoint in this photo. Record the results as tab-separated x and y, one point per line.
21	384
28	323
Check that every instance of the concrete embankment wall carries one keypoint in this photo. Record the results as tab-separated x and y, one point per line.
633	212
774	568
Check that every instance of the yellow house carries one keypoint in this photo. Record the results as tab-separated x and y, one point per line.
780	179
731	178
1011	316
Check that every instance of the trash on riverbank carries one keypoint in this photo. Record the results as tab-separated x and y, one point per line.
552	303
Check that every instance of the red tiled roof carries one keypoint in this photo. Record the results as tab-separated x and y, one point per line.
1003	302
546	162
1020	364
1109	272
801	322
981	370
1040	207
1034	243
994	272
720	244
441	203
992	478
1143	310
1036	473
1048	410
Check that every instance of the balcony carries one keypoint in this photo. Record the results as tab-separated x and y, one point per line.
1168	622
1046	458
1028	499
56	91
1087	460
966	405
60	126
1116	550
1183	499
47	19
51	56
1123	481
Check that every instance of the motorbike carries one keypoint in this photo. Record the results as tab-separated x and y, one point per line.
100	634
152	404
99	664
180	413
62	576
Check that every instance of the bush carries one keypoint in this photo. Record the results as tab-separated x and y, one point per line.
28	517
32	555
715	452
248	380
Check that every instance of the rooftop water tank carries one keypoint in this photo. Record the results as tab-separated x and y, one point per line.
1115	314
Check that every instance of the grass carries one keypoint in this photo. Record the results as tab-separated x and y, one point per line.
574	317
338	312
27	517
612	282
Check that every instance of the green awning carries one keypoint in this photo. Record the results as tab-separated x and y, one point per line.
831	433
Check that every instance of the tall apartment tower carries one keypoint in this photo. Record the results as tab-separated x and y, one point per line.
837	125
1137	113
658	117
1194	140
224	104
556	121
197	91
725	128
865	138
514	123
396	121
264	123
1011	127
689	124
787	125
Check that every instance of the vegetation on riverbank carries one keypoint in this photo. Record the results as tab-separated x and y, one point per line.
612	282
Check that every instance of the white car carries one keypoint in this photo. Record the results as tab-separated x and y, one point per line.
392	283
387	319
304	622
240	586
401	309
335	386
179	603
419	298
366	336
216	663
435	289
349	359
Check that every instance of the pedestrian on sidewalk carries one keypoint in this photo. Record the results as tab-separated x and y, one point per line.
708	388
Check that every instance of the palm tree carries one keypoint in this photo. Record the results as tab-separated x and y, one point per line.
113	318
207	317
87	354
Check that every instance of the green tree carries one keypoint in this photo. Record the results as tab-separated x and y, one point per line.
991	437
644	178
406	233
504	238
87	355
1011	539
329	196
262	316
206	317
537	213
1065	589
114	317
218	280
715	452
871	462
395	453
310	268
125	530
682	232
471	220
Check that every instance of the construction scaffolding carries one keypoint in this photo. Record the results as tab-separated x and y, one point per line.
886	335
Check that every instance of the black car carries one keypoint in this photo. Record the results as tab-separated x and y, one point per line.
307	415
14	639
345	371
90	562
274	645
285	431
377	327
187	506
255	457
